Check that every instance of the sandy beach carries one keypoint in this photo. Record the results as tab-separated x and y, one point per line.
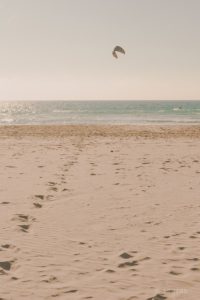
100	212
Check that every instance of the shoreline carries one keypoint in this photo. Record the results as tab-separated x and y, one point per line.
61	131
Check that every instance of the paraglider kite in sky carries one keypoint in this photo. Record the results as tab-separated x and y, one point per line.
117	49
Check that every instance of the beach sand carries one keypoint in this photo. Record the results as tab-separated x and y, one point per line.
100	212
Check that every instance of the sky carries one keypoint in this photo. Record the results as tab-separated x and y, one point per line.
62	49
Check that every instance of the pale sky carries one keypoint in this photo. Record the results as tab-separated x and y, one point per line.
61	49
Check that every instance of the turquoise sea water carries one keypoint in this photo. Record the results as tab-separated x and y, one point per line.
99	112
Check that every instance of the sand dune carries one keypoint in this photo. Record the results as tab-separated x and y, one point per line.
99	212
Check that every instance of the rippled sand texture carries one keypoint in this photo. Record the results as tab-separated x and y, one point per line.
111	216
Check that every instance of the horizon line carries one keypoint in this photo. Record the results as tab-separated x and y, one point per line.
40	100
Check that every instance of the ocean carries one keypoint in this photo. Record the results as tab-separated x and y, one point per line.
99	112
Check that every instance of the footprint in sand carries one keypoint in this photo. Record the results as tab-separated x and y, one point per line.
71	291
25	219
6	265
65	190
158	297
51	183
193	237
20	217
6	246
66	292
11	167
37	205
174	273
24	227
195	269
125	255
41	197
9	248
181	248
193	259
50	279
55	189
128	264
110	271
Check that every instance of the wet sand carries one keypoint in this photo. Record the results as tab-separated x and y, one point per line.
92	212
146	131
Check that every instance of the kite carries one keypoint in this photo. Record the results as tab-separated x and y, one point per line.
118	49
